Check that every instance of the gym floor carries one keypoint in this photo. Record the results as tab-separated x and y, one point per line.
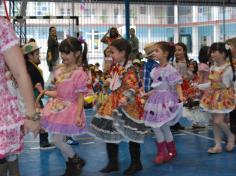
192	159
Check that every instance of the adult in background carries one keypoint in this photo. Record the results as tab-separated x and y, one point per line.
134	41
53	51
31	54
111	35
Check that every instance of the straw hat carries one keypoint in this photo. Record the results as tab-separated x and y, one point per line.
29	48
149	48
136	61
231	41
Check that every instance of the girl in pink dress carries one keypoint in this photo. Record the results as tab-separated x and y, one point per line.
11	119
64	114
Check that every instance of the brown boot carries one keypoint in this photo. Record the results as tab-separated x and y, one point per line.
3	167
13	167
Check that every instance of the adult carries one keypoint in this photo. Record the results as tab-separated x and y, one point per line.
111	35
134	41
11	119
31	54
53	50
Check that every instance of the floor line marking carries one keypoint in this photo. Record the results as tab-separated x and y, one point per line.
198	135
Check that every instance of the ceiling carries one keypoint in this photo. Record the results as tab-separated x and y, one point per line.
180	2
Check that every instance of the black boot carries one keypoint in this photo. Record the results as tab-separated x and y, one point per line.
136	165
13	167
112	151
69	169
43	141
3	167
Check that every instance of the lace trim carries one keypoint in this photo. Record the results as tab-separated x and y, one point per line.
9	45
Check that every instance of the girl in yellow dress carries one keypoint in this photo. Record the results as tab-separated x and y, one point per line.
218	98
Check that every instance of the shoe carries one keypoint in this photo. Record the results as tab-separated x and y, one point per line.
71	141
214	150
47	146
230	144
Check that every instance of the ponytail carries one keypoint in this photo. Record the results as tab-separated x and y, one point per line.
84	55
231	62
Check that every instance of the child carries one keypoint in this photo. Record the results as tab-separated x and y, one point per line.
192	95
123	78
64	115
162	108
203	67
12	121
218	98
232	43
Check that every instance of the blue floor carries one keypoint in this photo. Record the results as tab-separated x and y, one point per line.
192	159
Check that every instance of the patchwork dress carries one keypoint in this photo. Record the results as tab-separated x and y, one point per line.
219	97
163	106
114	123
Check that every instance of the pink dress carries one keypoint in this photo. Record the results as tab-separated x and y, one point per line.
11	120
60	113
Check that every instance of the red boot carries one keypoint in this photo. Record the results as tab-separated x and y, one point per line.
171	149
162	155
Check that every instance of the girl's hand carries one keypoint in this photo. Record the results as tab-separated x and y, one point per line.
79	122
31	126
182	99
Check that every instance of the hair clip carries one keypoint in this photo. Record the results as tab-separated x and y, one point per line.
227	47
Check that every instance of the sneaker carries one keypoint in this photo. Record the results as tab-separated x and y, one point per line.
47	146
71	141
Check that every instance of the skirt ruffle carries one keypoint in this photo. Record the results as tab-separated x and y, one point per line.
131	129
103	129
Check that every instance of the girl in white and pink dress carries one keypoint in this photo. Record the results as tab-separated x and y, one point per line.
64	114
11	119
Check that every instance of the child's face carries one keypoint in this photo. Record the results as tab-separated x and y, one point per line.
233	51
217	56
70	58
191	67
35	57
117	56
159	54
179	53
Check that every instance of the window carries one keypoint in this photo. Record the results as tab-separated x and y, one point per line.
68	12
116	12
143	10
62	12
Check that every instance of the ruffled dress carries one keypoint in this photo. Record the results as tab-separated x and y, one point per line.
163	106
219	97
11	120
113	123
59	114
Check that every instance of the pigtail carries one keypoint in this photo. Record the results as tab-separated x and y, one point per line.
231	62
171	52
84	55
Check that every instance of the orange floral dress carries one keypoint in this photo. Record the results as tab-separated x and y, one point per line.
219	97
114	123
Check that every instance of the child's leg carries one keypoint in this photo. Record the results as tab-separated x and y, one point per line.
3	167
169	141
67	150
216	119
113	164
136	165
13	165
162	155
73	163
230	137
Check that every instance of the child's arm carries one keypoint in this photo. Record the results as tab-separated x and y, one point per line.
50	93
80	102
180	92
